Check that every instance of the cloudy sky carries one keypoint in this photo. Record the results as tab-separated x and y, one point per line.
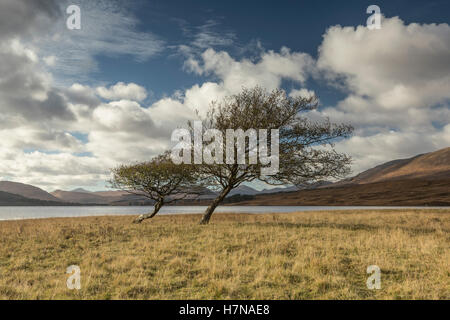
74	103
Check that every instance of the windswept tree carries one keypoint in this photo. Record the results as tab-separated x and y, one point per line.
159	179
305	147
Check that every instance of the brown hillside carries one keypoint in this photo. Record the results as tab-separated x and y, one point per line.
112	193
83	197
429	166
414	192
26	190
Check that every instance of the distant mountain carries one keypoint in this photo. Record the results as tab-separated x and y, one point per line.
26	190
428	166
11	199
110	193
246	190
119	197
279	189
243	190
114	197
80	197
418	181
79	190
318	184
413	192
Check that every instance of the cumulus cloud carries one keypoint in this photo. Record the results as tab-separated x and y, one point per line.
398	79
25	89
82	95
123	115
44	139
398	67
24	17
268	72
50	170
303	92
141	132
130	91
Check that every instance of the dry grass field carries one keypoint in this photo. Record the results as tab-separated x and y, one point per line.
314	255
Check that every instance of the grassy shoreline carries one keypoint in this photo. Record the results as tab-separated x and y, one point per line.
308	255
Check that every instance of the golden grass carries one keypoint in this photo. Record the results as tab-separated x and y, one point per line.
314	255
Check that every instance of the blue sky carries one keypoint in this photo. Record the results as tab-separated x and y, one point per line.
298	25
74	103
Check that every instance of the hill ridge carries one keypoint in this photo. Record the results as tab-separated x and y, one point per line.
428	166
26	190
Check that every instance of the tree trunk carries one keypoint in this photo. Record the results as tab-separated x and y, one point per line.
142	217
209	211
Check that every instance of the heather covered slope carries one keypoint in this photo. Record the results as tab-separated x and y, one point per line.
429	166
81	197
387	193
423	180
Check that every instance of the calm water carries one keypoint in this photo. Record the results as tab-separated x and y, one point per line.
14	213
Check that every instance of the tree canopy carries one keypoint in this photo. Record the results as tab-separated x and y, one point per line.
159	179
305	147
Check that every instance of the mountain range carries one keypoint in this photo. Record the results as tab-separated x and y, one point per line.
428	166
27	191
421	180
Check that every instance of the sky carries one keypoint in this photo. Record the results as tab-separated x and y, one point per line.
75	103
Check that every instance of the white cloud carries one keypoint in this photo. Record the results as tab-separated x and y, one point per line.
50	60
140	132
44	139
26	89
50	171
268	72
305	93
130	91
398	67
82	95
398	79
